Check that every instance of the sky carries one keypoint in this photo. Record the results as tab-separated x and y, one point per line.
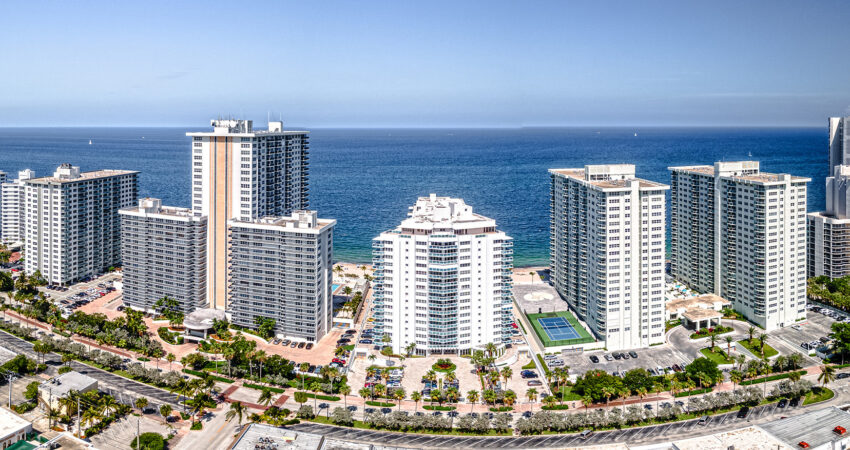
425	64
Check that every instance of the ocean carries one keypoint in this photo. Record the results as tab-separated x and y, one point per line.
367	178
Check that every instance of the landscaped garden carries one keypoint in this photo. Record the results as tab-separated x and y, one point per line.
717	355
712	331
758	347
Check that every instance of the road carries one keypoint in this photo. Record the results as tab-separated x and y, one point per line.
122	388
632	436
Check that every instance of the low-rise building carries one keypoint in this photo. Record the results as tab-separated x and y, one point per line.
58	387
198	325
822	429
13	428
697	312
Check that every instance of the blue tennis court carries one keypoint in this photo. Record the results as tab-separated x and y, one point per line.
557	328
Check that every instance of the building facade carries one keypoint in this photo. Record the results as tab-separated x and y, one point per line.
12	209
741	234
607	247
163	250
282	269
242	173
443	280
72	228
829	230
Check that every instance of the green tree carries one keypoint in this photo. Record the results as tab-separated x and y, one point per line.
148	441
416	396
265	326
704	370
265	397
827	375
472	397
531	395
237	409
165	411
140	403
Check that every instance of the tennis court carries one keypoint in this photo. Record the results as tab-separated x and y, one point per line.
557	328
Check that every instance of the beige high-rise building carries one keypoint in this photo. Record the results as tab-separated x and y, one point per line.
242	173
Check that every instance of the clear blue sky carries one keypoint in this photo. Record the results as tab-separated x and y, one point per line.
425	64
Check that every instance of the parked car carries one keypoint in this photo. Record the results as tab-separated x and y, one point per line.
782	403
618	356
633	354
309	346
743	412
535	383
608	358
594	359
301	345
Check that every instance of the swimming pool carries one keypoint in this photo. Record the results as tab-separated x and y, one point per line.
334	287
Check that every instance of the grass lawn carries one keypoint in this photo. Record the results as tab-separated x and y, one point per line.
718	355
567	393
754	348
818	394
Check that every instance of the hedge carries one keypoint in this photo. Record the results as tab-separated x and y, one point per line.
693	392
555	407
202	374
438	408
260	388
501	409
779	376
330	398
380	404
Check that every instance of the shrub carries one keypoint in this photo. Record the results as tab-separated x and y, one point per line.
149	441
64	369
197	426
305	412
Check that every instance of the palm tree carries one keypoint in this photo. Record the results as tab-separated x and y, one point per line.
170	358
140	403
472	397
531	395
399	396
490	348
315	387
713	340
586	400
416	396
827	375
532	277
52	414
506	374
728	340
304	367
345	390
762	337
107	405
365	392
265	397
260	357
751	332
794	376
237	409
740	359
509	397
410	348
735	376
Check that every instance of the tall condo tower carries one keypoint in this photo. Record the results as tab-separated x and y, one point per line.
163	250
740	233
72	228
443	280
829	230
282	269
12	209
242	173
607	251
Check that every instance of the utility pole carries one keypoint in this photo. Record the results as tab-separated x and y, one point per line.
138	426
10	378
79	425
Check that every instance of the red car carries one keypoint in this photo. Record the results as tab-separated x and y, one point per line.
337	360
514	325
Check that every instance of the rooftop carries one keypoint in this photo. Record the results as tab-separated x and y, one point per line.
706	301
610	176
11	423
230	127
696	314
814	427
300	220
71	381
257	436
749	438
202	319
153	206
738	170
67	173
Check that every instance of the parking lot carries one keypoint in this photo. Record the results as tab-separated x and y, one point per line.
648	358
80	294
788	340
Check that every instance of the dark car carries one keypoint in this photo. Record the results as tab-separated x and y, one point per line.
743	412
301	345
633	354
842	375
309	345
782	403
618	356
594	359
365	341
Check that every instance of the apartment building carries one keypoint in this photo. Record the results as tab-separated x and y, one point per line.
741	234
829	230
607	251
242	173
282	268
12	208
163	249
443	280
72	228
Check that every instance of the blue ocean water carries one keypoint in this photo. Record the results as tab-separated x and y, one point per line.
367	178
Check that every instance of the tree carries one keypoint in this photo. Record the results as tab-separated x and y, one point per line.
398	393
304	367
265	326
827	375
704	370
713	340
140	403
165	411
301	397
416	396
762	337
506	373
148	441
170	358
345	390
735	376
728	340
472	397
170	308
410	348
509	398
531	395
265	397
237	409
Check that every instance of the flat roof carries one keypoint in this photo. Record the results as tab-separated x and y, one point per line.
202	319
701	314
578	174
60	386
750	438
11	423
271	436
702	301
84	176
814	427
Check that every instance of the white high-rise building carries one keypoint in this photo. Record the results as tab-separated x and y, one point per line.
12	208
72	228
163	251
741	234
443	279
829	230
282	269
607	251
242	173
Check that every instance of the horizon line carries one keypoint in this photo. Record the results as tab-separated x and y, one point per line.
442	127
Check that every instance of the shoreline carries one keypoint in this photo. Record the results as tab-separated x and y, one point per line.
358	266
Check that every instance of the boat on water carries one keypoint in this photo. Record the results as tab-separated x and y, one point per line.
89	141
